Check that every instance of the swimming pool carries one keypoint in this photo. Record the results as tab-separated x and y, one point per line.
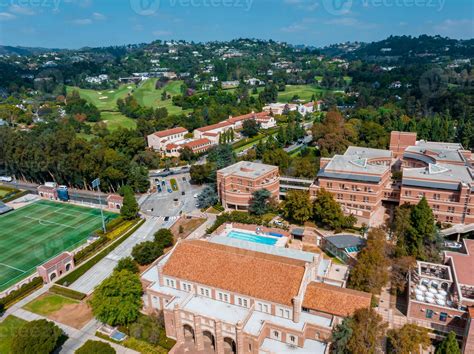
245	236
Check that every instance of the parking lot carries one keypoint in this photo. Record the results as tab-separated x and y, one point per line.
168	201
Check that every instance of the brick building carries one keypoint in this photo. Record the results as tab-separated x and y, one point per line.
236	183
363	179
441	296
238	299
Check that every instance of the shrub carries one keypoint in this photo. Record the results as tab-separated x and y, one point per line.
20	293
96	347
164	238
38	336
146	252
78	272
235	216
127	264
73	294
90	249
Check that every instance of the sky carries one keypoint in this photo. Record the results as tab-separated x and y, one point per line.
79	23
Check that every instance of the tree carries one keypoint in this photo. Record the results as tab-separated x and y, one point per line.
250	128
95	347
146	252
118	299
297	206
39	336
449	345
371	271
164	238
341	335
401	267
277	157
423	232
200	173
259	201
408	339
367	331
127	263
129	208
329	213
208	197
187	154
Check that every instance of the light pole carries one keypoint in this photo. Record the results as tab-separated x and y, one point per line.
96	184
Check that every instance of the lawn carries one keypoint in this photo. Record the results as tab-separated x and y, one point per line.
35	233
104	100
304	92
174	184
46	304
148	96
115	120
7	330
188	226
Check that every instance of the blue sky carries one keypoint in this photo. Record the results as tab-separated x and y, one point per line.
78	23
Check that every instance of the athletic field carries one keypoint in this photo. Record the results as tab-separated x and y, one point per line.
31	235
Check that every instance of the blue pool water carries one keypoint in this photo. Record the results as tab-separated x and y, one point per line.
244	236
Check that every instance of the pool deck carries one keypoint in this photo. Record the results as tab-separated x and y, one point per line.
257	230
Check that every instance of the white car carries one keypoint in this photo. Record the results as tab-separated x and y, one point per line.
5	179
196	195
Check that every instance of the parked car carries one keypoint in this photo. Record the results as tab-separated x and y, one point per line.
163	183
183	193
452	244
167	218
158	188
196	195
5	179
169	190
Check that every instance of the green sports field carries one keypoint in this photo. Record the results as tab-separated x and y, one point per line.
31	235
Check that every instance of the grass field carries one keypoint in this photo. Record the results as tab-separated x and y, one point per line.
104	100
146	95
48	303
33	234
304	92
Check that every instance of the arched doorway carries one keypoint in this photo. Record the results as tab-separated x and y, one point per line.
188	333
229	346
68	266
209	341
52	276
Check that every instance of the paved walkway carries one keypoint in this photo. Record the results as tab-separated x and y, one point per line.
104	268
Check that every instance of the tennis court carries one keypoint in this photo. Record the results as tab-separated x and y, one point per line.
31	235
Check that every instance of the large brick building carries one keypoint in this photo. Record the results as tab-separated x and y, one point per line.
236	183
230	298
363	179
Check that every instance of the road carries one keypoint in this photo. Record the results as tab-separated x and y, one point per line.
104	268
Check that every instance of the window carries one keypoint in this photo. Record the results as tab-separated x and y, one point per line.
366	199
242	302
282	312
205	292
329	185
450	209
429	313
443	316
275	335
437	196
352	198
262	307
340	196
223	296
292	339
170	283
186	287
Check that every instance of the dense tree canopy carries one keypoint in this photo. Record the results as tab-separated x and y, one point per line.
118	299
39	336
329	213
297	206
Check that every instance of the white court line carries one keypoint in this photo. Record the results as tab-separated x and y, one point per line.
50	222
6	265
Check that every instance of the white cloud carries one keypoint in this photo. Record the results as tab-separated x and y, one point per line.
82	21
293	28
455	28
21	10
5	16
350	22
98	16
161	33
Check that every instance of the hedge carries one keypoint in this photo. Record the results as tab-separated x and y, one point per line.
9	197
111	225
22	292
78	272
90	249
235	216
72	294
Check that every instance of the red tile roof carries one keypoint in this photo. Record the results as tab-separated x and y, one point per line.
168	132
197	143
259	275
247	116
62	257
214	126
115	198
334	300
